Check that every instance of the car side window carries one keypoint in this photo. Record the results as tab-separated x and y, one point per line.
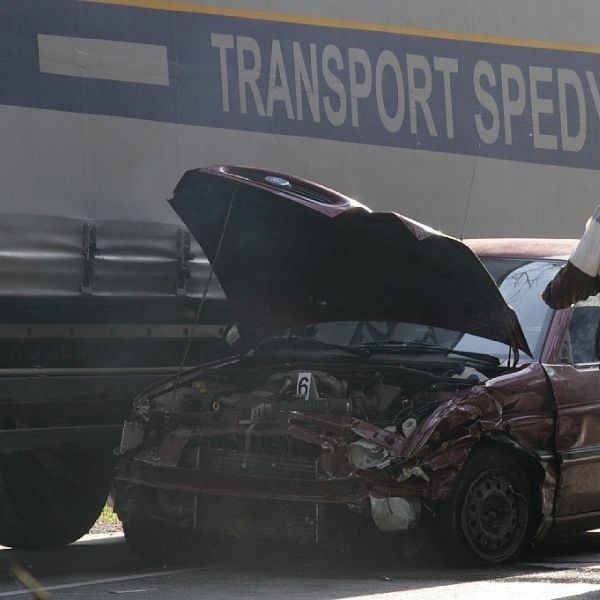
580	345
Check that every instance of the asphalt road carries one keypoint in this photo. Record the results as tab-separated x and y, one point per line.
100	566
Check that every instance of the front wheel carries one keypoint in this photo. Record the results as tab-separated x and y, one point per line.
489	516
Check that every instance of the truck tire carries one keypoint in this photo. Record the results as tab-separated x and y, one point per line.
51	499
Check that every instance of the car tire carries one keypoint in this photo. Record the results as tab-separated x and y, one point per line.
50	500
159	543
489	516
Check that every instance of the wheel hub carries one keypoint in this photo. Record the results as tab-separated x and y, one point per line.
491	514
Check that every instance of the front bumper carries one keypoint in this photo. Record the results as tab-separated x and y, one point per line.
324	491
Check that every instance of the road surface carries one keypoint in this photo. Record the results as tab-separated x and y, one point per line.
99	566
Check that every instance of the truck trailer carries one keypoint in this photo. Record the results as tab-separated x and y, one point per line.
477	118
92	312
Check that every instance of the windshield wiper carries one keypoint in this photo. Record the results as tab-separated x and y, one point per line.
363	352
397	346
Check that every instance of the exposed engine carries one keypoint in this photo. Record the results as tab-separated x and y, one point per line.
384	399
315	392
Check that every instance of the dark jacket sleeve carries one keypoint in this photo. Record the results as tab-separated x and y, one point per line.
570	285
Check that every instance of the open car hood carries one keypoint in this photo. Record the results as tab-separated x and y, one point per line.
289	252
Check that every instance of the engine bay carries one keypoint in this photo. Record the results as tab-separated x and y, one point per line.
396	399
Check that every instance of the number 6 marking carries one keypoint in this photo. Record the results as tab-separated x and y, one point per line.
303	387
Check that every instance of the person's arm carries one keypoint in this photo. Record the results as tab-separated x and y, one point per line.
578	279
569	286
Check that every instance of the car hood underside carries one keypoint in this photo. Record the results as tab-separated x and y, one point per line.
288	253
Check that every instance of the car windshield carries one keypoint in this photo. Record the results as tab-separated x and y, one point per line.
521	283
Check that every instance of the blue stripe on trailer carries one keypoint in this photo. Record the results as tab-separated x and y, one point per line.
404	90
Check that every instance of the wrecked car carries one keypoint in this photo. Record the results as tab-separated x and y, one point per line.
387	384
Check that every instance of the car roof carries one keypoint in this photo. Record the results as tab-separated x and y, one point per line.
537	248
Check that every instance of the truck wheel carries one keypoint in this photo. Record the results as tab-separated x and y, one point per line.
159	543
488	517
51	500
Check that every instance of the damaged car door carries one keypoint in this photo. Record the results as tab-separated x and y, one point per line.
575	377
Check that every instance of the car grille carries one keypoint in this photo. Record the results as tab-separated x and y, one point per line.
253	464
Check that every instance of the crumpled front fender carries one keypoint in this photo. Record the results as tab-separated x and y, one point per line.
456	416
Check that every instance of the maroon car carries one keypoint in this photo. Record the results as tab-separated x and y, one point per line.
386	384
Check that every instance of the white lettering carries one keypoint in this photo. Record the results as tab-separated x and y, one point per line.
447	66
302	81
567	77
419	94
385	95
591	79
279	90
488	135
511	107
357	56
541	106
332	53
223	43
248	75
392	123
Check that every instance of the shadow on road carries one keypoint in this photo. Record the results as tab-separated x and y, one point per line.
375	568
